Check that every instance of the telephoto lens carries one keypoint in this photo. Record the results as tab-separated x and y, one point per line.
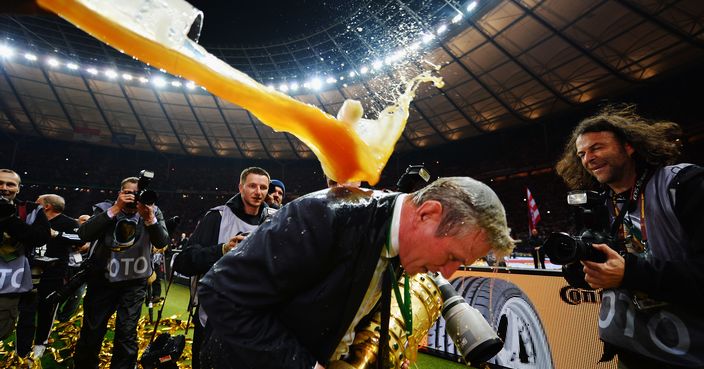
474	338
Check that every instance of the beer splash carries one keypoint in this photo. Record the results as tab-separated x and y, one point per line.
156	32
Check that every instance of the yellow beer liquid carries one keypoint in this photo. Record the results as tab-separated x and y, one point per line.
347	152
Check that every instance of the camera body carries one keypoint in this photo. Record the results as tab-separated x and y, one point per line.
144	194
592	222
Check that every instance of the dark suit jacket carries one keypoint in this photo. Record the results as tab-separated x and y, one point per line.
285	297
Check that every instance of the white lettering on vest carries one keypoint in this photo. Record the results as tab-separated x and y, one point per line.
127	266
608	299
142	269
113	267
683	341
15	278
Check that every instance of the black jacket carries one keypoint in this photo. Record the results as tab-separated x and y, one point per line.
59	247
287	295
25	237
676	281
100	228
203	248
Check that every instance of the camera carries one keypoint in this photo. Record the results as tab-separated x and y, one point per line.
7	208
592	222
144	194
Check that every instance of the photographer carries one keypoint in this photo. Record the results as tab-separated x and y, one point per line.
63	239
654	289
293	292
220	230
23	227
119	266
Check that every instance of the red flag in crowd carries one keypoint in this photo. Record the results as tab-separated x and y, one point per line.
533	212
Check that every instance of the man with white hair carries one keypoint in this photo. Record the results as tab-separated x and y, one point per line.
292	293
52	277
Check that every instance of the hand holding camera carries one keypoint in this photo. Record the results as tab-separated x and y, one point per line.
146	212
140	198
124	199
608	274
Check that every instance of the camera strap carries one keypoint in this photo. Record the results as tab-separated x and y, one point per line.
636	192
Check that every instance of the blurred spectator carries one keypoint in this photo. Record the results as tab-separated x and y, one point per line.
276	194
536	249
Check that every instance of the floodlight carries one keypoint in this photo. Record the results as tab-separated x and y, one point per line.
30	57
471	6
111	73
72	66
159	81
316	83
53	62
6	51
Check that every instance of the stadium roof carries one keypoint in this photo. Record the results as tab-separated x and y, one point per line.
505	63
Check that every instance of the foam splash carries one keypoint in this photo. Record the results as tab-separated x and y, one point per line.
157	32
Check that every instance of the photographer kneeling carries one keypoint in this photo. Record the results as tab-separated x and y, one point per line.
120	264
654	285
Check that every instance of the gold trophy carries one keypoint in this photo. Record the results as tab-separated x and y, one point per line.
476	341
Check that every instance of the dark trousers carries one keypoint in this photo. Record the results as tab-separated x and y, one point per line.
69	307
101	301
36	316
26	322
198	338
46	311
156	285
538	257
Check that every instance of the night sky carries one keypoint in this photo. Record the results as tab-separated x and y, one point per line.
261	22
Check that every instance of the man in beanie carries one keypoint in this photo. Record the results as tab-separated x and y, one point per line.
275	197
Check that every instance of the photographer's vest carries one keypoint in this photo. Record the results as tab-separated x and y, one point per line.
230	226
665	333
15	272
135	261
